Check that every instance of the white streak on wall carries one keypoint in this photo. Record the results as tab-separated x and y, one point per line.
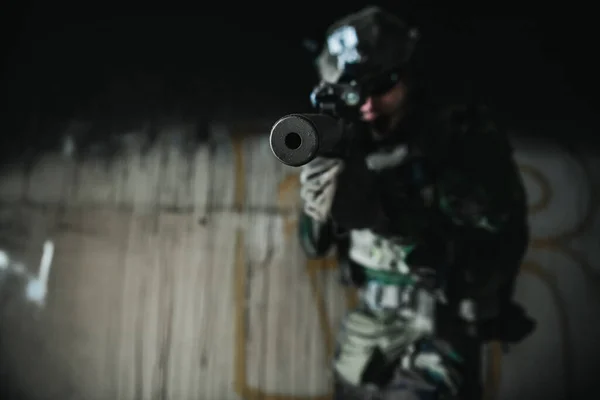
38	287
4	261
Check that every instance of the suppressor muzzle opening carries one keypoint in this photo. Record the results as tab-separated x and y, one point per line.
294	140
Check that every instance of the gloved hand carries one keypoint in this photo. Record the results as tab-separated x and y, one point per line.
511	326
318	185
434	362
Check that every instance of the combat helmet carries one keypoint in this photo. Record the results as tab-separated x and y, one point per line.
370	46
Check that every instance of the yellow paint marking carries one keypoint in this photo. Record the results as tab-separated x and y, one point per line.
241	384
550	282
240	315
493	371
240	173
544	185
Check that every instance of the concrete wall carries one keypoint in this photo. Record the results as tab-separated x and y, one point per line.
176	275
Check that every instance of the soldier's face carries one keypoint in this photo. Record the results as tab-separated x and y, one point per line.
385	105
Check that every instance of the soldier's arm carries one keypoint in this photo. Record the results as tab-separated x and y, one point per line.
316	238
318	180
481	192
479	183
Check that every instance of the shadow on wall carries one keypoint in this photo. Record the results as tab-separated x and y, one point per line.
118	74
122	73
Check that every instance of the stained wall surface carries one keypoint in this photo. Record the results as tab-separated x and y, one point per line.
175	274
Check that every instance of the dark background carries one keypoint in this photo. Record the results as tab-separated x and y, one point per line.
120	65
535	63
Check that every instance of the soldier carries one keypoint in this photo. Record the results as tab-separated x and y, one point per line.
427	215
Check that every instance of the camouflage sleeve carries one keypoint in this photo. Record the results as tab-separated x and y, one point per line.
479	184
316	238
477	204
481	191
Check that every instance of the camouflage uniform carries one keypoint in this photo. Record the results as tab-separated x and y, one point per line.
431	218
453	228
